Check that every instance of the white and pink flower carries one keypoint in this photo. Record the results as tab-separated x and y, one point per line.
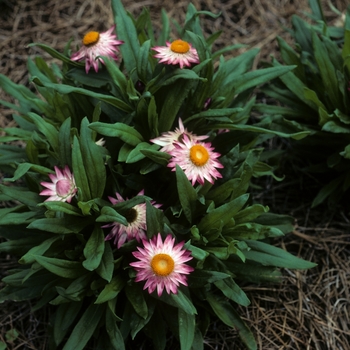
136	218
62	188
162	264
96	44
197	159
178	52
167	139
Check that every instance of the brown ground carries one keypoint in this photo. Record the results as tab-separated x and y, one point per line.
310	309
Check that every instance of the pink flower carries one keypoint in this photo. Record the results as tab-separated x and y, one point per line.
167	139
196	159
178	52
62	188
137	226
161	265
97	44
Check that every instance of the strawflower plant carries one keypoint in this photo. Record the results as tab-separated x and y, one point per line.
146	228
315	98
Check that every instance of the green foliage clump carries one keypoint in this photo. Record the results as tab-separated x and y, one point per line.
64	257
316	98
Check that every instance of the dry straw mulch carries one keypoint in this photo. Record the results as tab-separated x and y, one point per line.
309	309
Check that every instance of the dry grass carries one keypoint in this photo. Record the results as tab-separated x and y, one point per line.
309	309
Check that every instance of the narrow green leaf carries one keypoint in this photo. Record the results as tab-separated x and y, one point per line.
230	317
199	278
106	267
222	215
108	214
60	225
94	249
111	290
60	267
93	159
127	33
232	291
55	54
64	317
143	65
137	300
79	171
40	249
48	130
113	331
327	71
125	132
21	194
269	255
85	328
68	89
187	194
257	77
186	329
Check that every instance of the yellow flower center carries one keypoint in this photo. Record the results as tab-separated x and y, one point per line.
199	155
180	46
91	38
162	264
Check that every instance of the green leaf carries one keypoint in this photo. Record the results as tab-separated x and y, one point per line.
222	215
186	329
23	168
257	77
113	331
214	113
137	300
21	194
11	335
230	317
108	214
60	267
253	272
327	190
40	249
161	158
154	220
269	255
179	300
48	130
117	76
187	194
68	89
106	267
64	317
85	328
93	159
253	231
232	291
62	207
17	218
65	142
60	225
55	54
79	172
199	278
143	66
125	132
94	249
327	71
111	290
136	154
173	99
127	33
